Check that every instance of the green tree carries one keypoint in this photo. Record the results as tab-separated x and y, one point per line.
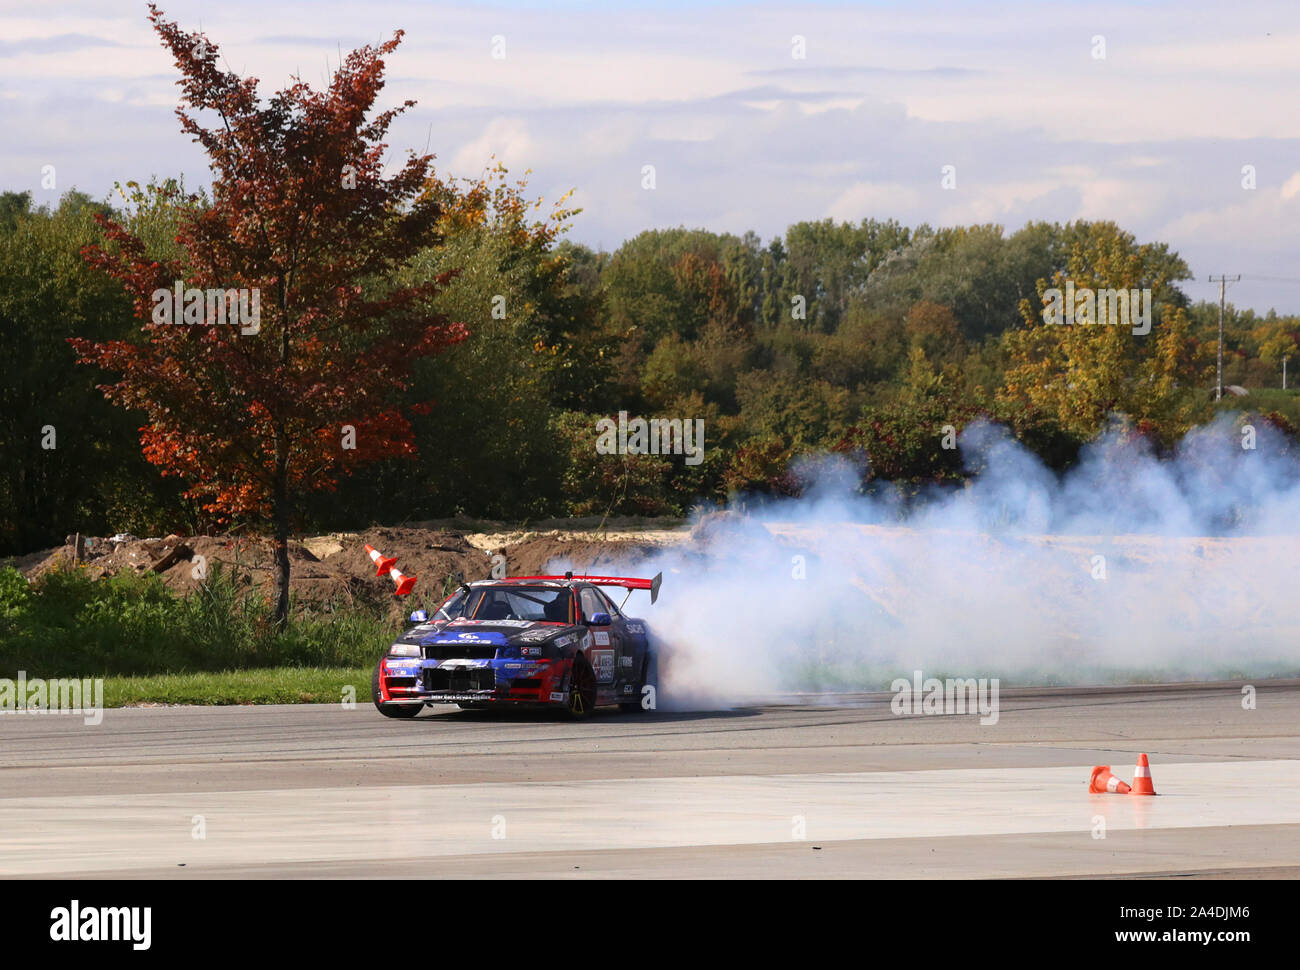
1079	375
72	462
255	417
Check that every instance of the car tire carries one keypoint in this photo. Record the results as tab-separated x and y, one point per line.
582	689
390	710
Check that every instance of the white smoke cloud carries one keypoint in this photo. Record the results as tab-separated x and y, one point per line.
1127	568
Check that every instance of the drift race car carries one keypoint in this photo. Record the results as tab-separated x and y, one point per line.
541	641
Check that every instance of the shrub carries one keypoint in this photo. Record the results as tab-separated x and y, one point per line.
66	624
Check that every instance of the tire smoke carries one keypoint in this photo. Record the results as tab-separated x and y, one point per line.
1127	568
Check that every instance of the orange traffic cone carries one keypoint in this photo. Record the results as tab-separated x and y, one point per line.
1102	781
403	583
382	563
1142	778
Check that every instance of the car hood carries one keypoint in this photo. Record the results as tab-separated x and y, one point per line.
482	633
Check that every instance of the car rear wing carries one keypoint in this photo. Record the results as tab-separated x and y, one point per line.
628	583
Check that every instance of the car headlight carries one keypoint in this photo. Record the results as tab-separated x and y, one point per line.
404	650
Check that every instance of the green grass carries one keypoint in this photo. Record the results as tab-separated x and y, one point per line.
69	625
270	685
215	646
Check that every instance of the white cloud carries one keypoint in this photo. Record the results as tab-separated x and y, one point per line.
506	138
879	200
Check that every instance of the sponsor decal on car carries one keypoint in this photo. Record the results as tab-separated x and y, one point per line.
485	639
560	696
636	628
602	638
464	662
603	662
625	661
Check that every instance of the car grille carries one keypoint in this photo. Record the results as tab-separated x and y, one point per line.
459	678
456	651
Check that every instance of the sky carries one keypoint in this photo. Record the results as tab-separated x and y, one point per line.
1159	116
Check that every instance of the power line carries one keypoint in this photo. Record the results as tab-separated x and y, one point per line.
1272	279
1250	278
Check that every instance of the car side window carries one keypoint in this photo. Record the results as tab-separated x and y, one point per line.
591	604
610	608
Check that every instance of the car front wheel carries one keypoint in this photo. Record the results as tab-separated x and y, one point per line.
582	688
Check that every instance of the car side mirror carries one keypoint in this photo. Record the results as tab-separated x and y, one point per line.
598	619
419	616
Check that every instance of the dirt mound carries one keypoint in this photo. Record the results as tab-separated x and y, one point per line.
434	558
335	570
32	564
184	563
727	526
555	552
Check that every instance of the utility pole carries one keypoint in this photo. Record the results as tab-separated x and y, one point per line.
1223	282
1284	360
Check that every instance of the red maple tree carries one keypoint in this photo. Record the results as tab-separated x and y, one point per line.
254	415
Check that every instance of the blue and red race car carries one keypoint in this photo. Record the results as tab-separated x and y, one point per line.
543	641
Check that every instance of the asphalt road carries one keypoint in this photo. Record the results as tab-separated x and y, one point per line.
799	789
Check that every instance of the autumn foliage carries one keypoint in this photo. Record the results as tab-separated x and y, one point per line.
302	213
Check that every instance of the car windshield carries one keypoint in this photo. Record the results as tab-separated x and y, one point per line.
490	603
453	608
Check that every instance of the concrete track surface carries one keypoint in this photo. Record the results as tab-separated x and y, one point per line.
825	787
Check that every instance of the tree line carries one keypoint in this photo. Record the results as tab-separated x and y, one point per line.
865	338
